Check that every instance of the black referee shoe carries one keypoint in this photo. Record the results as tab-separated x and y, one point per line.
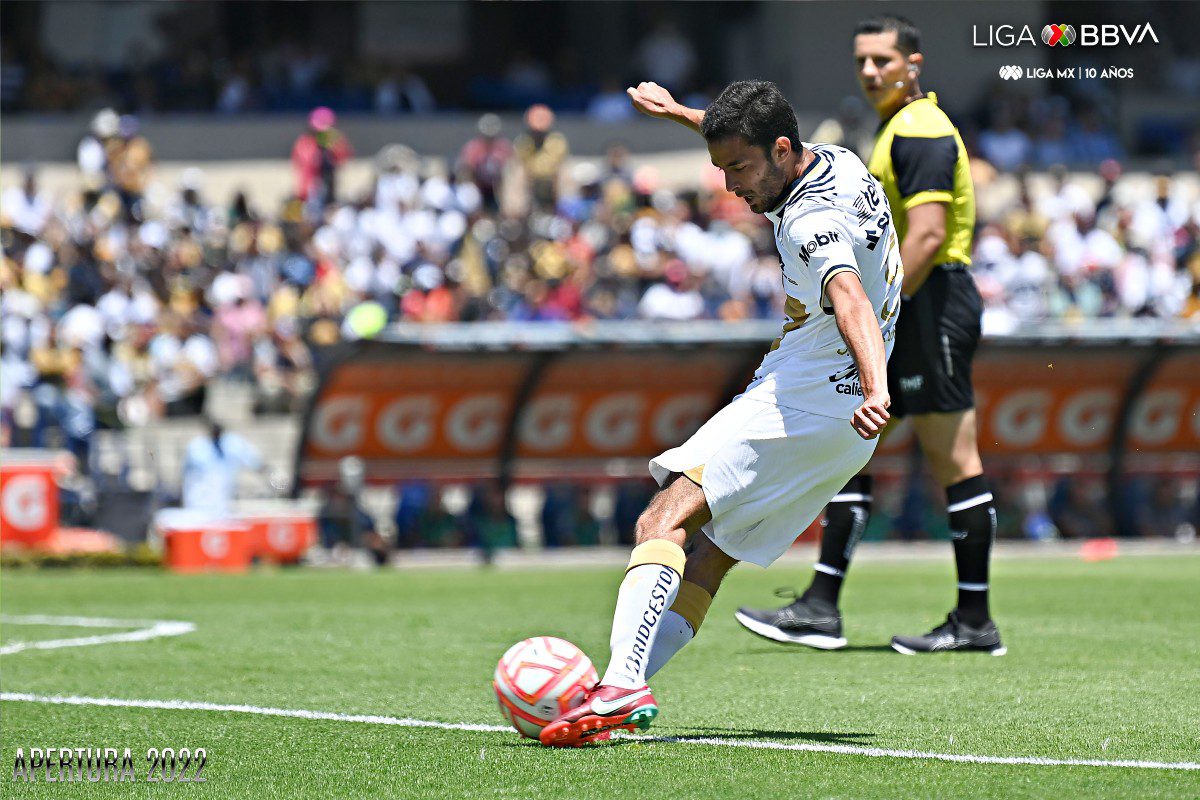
811	623
953	634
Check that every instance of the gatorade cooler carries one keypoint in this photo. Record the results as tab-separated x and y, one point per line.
281	537
200	545
28	497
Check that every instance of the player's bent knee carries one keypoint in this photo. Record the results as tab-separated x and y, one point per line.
674	514
651	526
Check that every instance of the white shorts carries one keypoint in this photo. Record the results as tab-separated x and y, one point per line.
767	471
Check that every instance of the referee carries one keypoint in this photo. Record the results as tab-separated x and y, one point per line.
921	161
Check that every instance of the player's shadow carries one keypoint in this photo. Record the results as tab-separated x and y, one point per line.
853	648
825	737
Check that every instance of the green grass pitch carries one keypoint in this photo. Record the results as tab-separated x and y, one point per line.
1103	663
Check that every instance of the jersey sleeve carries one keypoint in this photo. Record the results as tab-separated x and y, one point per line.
821	246
924	154
924	168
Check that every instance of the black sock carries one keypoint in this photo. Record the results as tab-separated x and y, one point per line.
845	520
973	526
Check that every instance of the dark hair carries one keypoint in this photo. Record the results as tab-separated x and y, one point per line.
754	110
908	35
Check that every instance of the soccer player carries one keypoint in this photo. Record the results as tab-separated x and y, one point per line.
763	467
921	161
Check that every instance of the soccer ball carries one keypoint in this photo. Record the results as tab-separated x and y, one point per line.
540	679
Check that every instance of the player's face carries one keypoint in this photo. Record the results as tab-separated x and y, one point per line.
750	173
883	71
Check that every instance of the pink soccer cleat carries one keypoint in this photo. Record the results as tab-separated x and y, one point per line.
606	708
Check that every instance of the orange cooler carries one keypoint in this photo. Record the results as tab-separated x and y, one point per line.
211	547
281	537
28	496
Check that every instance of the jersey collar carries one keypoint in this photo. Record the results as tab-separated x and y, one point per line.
930	96
776	213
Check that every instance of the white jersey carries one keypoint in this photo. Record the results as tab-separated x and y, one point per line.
834	218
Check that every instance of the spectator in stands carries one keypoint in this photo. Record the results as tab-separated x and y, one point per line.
667	57
676	300
1078	510
542	152
567	520
616	166
283	368
239	320
1093	142
610	105
1052	145
422	519
316	157
1164	512
489	524
211	467
485	158
130	160
1004	145
92	153
28	207
403	91
526	78
342	521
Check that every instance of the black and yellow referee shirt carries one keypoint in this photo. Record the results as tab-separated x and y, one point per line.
920	158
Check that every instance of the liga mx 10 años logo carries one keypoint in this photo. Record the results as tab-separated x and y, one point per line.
1062	35
1010	73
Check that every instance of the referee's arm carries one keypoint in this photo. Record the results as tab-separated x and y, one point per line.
926	232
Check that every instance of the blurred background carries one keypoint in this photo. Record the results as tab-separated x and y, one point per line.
211	208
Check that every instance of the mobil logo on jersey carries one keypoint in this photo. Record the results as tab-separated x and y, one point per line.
816	243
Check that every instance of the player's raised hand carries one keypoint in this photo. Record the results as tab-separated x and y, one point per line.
653	100
872	416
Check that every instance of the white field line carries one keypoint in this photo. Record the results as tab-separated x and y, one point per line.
406	722
146	629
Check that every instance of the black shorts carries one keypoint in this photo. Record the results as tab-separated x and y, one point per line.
936	337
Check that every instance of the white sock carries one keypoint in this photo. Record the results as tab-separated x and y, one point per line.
646	593
673	633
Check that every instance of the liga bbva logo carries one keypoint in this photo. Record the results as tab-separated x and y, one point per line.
1062	35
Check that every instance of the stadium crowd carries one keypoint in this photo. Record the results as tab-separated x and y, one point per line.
118	310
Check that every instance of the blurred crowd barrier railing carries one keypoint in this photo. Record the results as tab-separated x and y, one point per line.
544	401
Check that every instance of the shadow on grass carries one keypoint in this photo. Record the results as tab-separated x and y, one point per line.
823	737
853	648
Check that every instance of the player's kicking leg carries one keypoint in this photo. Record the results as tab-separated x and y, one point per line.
706	566
622	700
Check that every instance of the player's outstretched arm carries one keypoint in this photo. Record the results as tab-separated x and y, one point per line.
655	101
856	321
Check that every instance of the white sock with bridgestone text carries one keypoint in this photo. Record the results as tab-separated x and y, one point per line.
673	633
679	625
649	588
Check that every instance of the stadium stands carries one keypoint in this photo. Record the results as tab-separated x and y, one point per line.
128	302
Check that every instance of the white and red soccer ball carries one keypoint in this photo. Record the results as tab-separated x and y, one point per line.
540	679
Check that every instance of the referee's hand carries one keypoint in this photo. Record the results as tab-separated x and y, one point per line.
872	416
653	100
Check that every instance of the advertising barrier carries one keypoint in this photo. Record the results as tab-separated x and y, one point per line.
573	406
